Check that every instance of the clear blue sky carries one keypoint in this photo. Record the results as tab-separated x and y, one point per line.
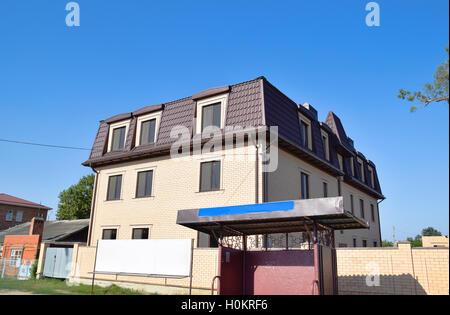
57	82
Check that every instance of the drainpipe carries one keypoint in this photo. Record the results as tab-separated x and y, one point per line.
379	223
94	195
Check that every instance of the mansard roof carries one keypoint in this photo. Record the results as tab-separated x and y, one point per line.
254	103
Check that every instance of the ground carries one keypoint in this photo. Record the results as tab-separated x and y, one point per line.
57	287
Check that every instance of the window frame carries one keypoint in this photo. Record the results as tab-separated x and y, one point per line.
308	137
306	190
17	216
372	212
144	118
325	189
222	99
10	211
211	179
361	208
352	204
109	229
145	188
326	144
109	186
14	259
112	127
140	228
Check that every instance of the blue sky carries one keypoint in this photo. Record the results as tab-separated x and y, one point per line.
57	83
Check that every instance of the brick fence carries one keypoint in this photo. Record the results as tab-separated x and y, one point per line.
402	270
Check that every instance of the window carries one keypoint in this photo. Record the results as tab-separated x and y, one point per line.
361	207
148	129
325	190
140	234
354	242
211	116
372	213
304	186
144	184
114	187
118	139
360	168
9	215
370	179
326	145
206	241
364	243
15	258
210	176
352	166
304	133
341	162
342	231
352	209
109	234
19	216
375	244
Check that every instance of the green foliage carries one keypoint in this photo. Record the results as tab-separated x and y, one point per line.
33	270
432	92
75	202
60	287
430	231
415	242
387	244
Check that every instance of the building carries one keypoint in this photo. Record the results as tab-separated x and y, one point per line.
14	211
435	241
21	244
139	188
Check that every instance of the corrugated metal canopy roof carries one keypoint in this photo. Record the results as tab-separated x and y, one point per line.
274	217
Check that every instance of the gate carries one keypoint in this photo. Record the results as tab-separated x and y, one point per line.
58	262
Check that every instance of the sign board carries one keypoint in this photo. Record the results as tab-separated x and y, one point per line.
156	257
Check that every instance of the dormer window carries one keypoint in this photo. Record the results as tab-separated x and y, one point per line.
370	179
305	132
118	135
118	139
211	112
147	128
361	170
326	145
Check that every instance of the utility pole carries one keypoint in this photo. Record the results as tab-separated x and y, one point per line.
393	235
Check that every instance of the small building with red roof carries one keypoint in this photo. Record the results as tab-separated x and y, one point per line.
14	211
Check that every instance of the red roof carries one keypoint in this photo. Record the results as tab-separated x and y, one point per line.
8	199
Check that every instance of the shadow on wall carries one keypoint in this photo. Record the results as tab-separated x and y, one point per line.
403	284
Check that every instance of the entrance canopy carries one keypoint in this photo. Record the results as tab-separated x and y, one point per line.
272	217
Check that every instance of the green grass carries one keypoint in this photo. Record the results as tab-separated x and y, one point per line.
60	287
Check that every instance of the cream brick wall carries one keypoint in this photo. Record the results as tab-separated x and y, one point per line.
175	187
204	269
284	184
402	270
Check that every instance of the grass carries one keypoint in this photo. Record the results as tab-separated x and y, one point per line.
60	287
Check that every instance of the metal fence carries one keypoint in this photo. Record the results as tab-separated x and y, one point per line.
16	268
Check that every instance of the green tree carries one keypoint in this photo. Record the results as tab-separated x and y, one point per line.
415	242
75	201
432	92
430	231
387	244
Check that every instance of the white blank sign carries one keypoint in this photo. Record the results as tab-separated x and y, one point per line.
162	257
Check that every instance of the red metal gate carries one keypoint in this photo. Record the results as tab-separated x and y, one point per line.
275	272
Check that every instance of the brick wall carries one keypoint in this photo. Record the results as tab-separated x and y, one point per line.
28	214
402	270
205	263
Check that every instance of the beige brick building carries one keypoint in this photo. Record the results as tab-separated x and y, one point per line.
139	187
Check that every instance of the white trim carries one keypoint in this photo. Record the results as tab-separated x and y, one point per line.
144	118
222	99
120	124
